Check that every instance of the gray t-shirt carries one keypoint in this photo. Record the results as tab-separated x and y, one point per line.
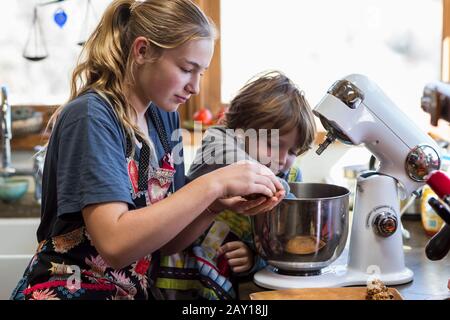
221	146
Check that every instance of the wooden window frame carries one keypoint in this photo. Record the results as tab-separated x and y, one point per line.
210	92
445	66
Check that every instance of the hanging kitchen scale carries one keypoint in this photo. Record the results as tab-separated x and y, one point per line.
35	47
90	19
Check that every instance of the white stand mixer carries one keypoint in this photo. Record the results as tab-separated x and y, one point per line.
356	111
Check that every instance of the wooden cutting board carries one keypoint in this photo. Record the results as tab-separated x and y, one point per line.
350	293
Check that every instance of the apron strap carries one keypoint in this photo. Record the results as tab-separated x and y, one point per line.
160	129
144	158
162	134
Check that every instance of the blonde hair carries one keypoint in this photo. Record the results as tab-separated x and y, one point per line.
273	101
106	63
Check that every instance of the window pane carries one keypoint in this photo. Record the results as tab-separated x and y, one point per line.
395	43
45	81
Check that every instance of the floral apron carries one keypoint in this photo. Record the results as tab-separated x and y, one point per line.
68	266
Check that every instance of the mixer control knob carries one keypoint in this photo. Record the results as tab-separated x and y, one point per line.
385	224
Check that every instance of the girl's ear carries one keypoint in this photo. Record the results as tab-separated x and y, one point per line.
140	50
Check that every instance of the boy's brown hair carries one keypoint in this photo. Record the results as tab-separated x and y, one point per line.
273	101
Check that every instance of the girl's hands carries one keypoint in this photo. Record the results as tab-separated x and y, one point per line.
247	207
238	255
247	178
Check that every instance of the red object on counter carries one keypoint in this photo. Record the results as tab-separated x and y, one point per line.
440	183
204	116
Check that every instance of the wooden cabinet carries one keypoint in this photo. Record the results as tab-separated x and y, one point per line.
210	87
446	42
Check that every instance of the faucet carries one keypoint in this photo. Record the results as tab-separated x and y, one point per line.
38	169
6	169
5	113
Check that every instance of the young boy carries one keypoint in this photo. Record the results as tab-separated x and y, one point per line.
268	121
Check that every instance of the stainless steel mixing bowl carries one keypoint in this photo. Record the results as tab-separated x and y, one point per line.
304	234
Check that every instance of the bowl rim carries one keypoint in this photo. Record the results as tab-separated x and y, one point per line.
7	181
321	198
20	184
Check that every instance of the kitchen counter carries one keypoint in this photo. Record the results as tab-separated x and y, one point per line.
26	207
430	277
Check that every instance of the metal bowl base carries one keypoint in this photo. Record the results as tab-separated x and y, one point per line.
298	273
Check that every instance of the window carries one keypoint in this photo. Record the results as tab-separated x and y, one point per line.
395	43
46	81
